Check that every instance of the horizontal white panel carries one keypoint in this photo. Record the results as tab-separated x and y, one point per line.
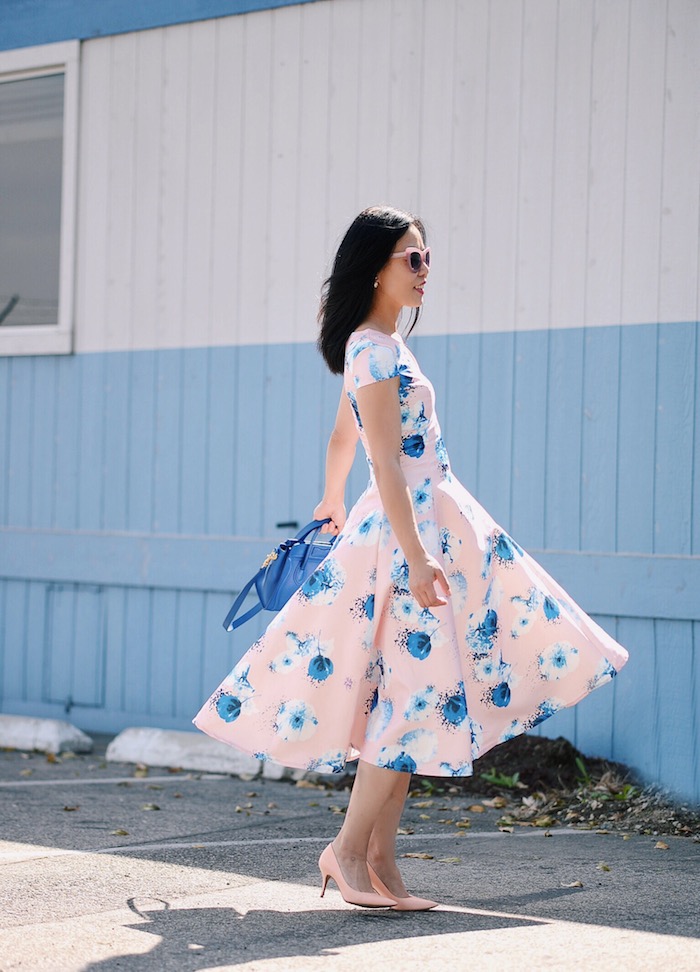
552	150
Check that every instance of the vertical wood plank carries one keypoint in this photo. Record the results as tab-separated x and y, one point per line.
42	481
373	82
344	156
674	688
675	418
21	413
59	661
635	739
227	185
644	146
249	430
136	666
529	438
254	269
599	439
163	642
117	376
278	438
34	651
5	434
89	648
501	165
167	458
187	662
93	196
140	443
595	713
173	120
308	433
636	442
14	624
606	162
220	435
67	427
405	54
91	440
469	96
695	534
462	402
120	231
194	418
563	473
115	672
146	285
535	163
571	150
495	425
680	208
198	202
287	156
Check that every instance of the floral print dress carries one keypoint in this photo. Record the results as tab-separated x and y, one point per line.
352	665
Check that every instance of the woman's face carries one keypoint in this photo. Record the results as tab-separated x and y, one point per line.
397	282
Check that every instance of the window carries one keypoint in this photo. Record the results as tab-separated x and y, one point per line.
38	136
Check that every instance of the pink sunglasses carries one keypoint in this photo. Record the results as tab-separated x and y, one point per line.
414	257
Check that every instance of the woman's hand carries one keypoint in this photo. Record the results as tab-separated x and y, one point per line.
336	511
423	573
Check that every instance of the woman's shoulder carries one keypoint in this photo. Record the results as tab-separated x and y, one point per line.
372	355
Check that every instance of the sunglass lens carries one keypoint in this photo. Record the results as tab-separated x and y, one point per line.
427	258
415	261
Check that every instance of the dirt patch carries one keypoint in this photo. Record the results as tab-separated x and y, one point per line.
539	782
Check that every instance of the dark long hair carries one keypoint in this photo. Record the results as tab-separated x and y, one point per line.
347	295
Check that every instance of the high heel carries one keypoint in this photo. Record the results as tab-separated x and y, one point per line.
330	868
410	903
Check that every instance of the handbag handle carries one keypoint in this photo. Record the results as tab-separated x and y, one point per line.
230	621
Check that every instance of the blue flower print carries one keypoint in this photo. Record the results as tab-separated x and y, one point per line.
459	589
545	710
486	563
405	382
461	769
505	548
449	543
413	446
420	704
558	660
413	417
353	402
482	631
414	747
418	644
228	707
399	572
454	706
330	762
604	673
551	608
382	363
320	667
295	721
379	719
441	454
367	530
326	582
422	497
525	608
515	728
400	763
298	649
500	694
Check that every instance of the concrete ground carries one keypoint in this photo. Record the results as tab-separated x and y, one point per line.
106	867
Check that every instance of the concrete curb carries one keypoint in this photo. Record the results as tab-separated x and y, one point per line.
177	749
44	735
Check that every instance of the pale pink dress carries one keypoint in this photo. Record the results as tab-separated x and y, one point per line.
352	665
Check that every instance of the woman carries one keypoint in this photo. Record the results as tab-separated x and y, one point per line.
427	636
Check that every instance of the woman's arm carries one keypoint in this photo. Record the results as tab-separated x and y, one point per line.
379	408
340	455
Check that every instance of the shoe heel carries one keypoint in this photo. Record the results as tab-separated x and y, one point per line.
325	882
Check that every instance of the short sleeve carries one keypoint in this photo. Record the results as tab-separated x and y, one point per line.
369	362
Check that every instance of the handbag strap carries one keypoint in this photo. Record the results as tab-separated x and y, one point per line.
230	621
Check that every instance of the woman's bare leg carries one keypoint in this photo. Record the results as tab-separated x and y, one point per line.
381	851
377	796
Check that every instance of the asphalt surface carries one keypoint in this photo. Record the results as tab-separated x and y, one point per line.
106	867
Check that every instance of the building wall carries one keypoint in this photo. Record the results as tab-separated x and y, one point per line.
554	151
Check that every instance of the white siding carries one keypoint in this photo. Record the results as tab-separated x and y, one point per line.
552	148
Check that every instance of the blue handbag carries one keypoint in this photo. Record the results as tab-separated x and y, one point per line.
282	573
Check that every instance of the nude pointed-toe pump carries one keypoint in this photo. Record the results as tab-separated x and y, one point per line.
330	868
410	903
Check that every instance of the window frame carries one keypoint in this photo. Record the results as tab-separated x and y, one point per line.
33	62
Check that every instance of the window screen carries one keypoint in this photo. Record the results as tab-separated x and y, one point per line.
31	146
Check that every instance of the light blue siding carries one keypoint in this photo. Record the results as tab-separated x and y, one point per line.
139	490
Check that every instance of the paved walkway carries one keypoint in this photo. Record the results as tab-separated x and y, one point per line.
223	875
